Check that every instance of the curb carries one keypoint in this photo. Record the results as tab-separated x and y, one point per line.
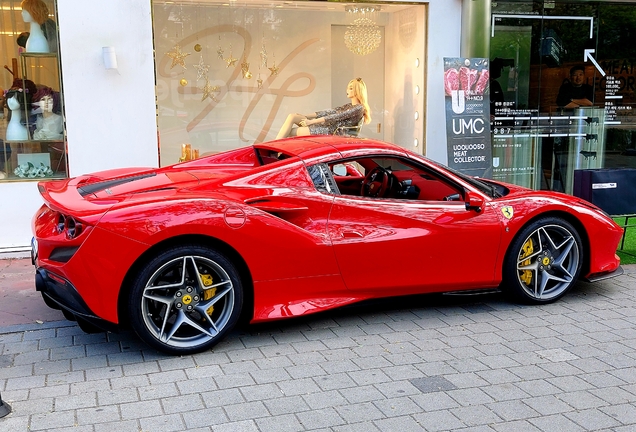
19	328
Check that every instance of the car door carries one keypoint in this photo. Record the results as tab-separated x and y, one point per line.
413	245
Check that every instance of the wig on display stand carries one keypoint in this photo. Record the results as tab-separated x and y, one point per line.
18	99
42	31
49	124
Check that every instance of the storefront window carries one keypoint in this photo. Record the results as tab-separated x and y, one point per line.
565	76
32	139
228	74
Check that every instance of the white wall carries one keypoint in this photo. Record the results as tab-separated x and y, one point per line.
110	115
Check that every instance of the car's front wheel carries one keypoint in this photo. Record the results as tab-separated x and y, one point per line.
543	261
185	299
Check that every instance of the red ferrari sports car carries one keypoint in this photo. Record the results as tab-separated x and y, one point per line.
297	226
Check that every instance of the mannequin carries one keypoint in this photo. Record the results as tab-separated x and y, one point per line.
48	125
16	131
326	122
35	12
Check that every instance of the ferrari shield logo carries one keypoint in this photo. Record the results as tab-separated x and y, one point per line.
495	162
507	212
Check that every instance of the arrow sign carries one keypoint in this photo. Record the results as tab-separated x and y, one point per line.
588	55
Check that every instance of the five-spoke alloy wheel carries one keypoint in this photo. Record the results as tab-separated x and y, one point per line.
185	299
543	261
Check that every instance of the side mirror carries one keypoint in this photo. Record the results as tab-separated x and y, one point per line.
474	202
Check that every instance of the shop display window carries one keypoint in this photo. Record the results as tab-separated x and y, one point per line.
32	135
229	73
566	79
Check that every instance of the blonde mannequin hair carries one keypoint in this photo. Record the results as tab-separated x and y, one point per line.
37	9
360	91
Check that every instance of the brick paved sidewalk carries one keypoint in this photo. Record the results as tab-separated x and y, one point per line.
20	304
424	363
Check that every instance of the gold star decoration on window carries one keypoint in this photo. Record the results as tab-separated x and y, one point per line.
245	68
209	91
177	57
231	61
274	69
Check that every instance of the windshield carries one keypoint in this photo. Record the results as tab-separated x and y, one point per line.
480	184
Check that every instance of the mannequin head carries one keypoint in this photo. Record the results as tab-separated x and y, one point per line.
12	102
358	89
45	104
48	100
23	92
34	10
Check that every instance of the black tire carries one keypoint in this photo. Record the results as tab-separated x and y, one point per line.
185	299
543	261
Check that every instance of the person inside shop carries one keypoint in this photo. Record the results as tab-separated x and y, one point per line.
575	93
496	91
328	121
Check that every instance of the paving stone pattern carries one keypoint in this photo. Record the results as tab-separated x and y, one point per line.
425	363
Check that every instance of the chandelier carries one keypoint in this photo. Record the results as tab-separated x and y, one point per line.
363	36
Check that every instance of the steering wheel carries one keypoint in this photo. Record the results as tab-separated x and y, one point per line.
375	183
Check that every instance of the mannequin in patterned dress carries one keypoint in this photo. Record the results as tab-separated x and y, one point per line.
326	122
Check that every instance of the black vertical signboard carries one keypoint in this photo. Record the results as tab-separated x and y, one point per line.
466	85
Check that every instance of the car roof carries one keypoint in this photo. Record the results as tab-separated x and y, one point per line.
319	145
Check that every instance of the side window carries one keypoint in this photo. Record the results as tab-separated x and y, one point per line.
322	179
391	178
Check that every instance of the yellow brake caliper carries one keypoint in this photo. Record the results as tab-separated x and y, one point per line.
526	275
208	293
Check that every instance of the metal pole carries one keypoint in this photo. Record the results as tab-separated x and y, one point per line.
4	408
475	36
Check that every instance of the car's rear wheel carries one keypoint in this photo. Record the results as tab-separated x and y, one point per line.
543	261
185	299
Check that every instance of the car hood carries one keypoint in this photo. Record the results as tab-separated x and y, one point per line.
514	192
